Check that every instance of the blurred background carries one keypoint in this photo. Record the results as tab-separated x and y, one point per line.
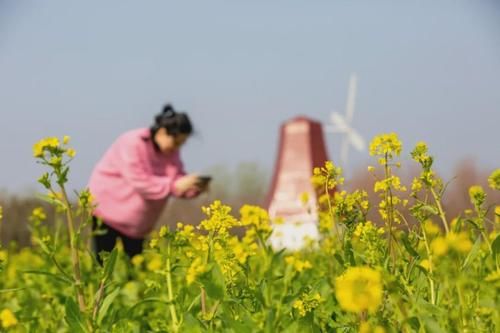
427	70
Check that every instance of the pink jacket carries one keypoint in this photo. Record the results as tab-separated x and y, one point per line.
132	182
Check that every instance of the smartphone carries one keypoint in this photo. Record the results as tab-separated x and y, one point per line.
204	180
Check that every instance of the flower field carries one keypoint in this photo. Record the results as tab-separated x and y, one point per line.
419	272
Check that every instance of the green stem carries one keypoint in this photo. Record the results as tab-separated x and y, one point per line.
429	277
282	296
330	210
171	305
390	213
75	256
440	210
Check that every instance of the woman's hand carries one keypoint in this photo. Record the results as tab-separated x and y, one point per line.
187	183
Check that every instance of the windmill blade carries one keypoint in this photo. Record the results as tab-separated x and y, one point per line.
334	129
351	97
339	121
356	140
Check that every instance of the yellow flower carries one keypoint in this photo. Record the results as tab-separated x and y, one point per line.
439	246
3	255
477	195
426	264
299	305
258	218
494	180
306	303
195	269
38	214
137	260
304	198
42	145
493	276
71	152
66	139
497	214
218	218
297	264
359	289
385	144
154	264
371	168
153	243
416	185
163	231
239	250
8	318
365	327
458	242
430	228
1	213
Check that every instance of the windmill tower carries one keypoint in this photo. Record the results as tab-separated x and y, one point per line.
342	124
301	148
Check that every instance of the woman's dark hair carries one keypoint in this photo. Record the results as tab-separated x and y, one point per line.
174	122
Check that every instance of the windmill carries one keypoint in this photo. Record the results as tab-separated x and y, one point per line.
342	124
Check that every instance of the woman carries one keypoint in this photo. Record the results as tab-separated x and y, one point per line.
134	179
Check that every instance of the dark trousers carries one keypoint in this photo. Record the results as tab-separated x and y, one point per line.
106	242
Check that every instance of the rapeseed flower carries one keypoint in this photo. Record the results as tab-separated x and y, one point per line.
257	218
306	303
7	318
154	264
430	228
38	214
329	175
195	269
137	260
426	264
71	152
365	327
477	195
458	242
385	145
494	180
3	255
298	264
45	144
359	289
219	219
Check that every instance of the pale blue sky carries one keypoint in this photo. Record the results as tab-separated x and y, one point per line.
429	70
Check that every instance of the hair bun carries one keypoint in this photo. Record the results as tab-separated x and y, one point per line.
168	111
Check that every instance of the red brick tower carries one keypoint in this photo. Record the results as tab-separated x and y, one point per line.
301	148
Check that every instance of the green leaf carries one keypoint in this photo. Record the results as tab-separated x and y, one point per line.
2	291
106	303
432	326
349	253
110	264
429	209
74	317
56	277
245	325
213	282
474	252
339	259
131	310
414	323
495	246
191	324
408	247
